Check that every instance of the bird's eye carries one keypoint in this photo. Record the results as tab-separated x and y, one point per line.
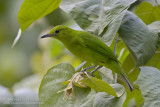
57	31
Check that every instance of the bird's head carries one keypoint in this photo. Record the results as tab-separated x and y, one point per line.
59	32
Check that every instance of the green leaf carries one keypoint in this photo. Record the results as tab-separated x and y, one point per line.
31	10
103	99
133	98
51	84
155	60
99	85
103	17
155	27
139	39
149	84
80	94
147	12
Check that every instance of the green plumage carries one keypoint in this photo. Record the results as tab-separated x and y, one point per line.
88	47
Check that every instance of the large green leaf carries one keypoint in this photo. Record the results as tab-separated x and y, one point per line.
103	99
139	39
51	84
103	17
155	27
147	12
31	10
149	84
80	94
99	85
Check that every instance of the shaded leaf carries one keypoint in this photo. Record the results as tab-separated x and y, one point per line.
30	11
147	12
140	41
80	94
103	99
51	84
155	27
95	16
148	81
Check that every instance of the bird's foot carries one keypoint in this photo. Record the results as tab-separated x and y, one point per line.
98	67
83	70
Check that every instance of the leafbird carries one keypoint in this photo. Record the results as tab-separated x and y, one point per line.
88	47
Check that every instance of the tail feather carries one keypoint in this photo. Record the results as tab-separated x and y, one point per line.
117	68
127	82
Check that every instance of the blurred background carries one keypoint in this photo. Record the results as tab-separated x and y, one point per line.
22	67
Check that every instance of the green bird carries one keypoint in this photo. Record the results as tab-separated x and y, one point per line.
89	48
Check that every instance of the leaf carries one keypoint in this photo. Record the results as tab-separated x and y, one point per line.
147	12
103	99
99	85
155	27
31	10
140	41
95	16
155	60
51	84
80	94
149	84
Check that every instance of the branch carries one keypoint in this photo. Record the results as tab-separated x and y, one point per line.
115	47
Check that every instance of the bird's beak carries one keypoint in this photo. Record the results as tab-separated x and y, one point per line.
47	35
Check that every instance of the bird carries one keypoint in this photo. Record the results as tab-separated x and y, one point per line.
90	48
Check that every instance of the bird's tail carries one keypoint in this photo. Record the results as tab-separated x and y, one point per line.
125	78
127	82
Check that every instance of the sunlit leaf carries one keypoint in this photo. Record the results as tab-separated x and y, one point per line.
103	99
147	12
99	85
155	27
31	10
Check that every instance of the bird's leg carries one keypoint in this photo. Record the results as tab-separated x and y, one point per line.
98	67
80	66
88	68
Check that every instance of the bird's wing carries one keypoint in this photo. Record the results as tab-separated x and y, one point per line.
96	44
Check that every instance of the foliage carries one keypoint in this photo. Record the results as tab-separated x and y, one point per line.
64	86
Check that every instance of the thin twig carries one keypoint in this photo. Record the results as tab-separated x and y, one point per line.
88	68
115	47
80	66
98	67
